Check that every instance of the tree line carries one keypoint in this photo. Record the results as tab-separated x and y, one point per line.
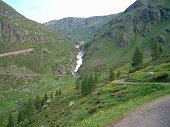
27	112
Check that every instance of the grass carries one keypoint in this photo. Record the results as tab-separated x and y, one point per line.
141	75
15	82
107	104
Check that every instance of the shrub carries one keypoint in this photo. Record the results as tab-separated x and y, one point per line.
92	110
162	76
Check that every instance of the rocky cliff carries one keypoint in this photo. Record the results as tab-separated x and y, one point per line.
16	28
79	28
138	18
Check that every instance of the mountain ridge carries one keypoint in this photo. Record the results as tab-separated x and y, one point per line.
80	28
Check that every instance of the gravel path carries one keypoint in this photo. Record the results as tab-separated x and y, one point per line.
17	52
124	82
153	114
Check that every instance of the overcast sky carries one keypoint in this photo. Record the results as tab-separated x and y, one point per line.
46	10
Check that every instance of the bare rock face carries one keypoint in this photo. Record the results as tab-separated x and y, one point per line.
161	38
136	5
12	34
60	71
126	38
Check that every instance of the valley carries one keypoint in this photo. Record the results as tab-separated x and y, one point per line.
83	72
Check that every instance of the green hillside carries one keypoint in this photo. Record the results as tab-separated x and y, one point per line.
26	74
143	24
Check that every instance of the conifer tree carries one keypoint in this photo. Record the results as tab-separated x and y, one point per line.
51	95
10	121
84	86
118	73
156	51
45	96
42	102
137	60
111	76
38	103
20	116
88	85
30	109
77	84
96	78
56	93
59	92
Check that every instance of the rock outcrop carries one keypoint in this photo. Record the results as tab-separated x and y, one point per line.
14	27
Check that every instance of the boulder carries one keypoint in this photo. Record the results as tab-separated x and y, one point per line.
71	103
150	74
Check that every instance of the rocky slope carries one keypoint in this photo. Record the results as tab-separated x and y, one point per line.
79	28
143	23
14	27
51	48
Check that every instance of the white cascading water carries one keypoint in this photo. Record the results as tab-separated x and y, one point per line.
79	58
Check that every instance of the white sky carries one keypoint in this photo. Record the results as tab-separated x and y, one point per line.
46	10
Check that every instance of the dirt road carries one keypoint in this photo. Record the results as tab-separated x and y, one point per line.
153	114
17	52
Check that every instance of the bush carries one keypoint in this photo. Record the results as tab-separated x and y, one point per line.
162	76
92	110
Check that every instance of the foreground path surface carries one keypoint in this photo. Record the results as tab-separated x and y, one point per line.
153	114
17	52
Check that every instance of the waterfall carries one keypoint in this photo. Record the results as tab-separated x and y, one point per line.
79	58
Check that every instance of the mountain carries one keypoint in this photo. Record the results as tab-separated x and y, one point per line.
36	84
14	27
143	24
81	29
32	58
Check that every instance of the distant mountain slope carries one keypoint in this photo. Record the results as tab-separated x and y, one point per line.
79	28
144	23
50	47
16	28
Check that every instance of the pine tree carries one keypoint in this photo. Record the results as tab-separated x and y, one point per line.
111	76
45	96
42	102
84	86
156	51
118	73
88	85
137	60
77	84
10	121
96	78
56	93
38	103
59	92
20	116
51	95
30	109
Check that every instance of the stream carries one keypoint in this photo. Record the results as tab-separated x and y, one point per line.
79	58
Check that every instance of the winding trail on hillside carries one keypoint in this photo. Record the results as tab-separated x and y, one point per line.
21	52
153	114
122	81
